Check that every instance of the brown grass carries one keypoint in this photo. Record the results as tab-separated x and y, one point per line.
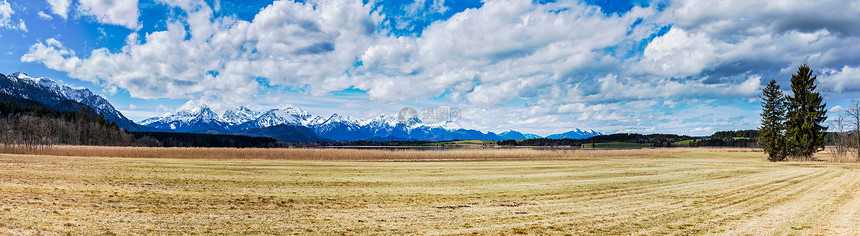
352	154
694	191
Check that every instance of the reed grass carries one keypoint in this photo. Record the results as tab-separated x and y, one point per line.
351	154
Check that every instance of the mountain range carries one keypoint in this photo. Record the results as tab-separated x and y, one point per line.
47	93
241	120
287	124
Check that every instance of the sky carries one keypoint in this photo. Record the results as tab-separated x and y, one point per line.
543	67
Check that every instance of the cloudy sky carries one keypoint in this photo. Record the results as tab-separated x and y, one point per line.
687	67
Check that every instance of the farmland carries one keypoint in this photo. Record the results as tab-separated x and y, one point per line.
643	191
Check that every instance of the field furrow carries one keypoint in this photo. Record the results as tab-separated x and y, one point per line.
686	191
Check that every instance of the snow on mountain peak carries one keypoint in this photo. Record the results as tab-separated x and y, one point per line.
20	75
200	112
447	125
295	111
239	115
187	109
348	120
383	120
335	126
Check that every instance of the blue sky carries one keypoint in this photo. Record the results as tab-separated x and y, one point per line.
688	67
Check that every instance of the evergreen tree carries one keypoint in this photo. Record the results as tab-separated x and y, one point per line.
772	139
806	112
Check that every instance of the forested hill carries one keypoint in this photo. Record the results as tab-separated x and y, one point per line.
30	124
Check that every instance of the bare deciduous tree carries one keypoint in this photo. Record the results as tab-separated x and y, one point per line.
853	113
840	138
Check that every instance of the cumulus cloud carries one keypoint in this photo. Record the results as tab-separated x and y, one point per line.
45	16
836	109
6	21
702	131
570	62
501	51
678	53
218	59
59	7
721	38
116	12
846	79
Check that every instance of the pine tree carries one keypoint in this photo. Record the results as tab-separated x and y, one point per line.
806	112
772	138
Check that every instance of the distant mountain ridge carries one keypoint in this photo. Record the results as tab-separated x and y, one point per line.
61	97
243	120
575	134
516	135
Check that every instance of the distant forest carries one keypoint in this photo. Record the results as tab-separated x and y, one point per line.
744	138
39	127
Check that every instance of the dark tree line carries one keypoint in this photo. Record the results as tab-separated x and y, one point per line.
735	138
34	127
792	124
165	139
656	140
736	134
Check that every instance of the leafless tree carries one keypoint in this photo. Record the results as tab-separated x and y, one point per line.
853	113
840	138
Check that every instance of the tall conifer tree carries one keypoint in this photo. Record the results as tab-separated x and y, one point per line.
772	138
806	112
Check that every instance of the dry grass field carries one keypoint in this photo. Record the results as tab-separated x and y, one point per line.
646	191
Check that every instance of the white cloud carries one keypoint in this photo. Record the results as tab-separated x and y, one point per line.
161	108
501	51
116	12
60	7
555	57
45	16
487	56
288	43
702	131
739	36
110	89
678	53
845	80
739	18
836	109
131	106
6	13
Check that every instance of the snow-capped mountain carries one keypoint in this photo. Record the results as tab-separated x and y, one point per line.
339	127
61	97
383	121
335	127
193	119
513	134
239	115
575	134
284	116
243	120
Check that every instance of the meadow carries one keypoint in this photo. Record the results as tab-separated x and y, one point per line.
110	190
